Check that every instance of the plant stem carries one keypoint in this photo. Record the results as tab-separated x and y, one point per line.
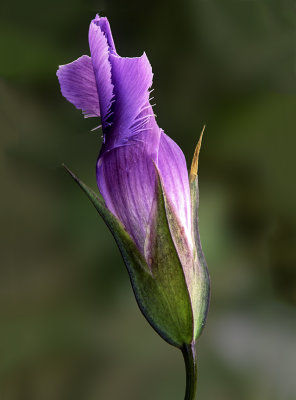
189	354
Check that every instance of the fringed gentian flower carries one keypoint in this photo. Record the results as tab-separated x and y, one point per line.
146	198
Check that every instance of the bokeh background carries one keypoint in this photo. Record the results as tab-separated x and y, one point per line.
70	328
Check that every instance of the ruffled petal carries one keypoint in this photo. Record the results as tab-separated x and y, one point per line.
78	85
103	24
173	170
99	49
132	78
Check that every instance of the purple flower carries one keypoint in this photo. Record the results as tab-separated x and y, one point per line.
117	89
145	198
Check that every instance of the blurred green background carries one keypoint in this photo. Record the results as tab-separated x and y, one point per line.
70	327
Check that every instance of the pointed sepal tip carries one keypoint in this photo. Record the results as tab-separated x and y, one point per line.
194	164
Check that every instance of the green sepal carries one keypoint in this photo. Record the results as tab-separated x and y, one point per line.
160	287
173	296
202	283
201	294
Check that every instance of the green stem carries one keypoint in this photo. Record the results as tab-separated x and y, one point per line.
189	354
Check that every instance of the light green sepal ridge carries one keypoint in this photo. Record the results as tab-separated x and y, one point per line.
202	280
160	287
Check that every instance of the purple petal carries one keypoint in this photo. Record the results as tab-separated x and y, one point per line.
103	23
173	170
132	78
99	49
126	179
117	89
78	85
125	170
